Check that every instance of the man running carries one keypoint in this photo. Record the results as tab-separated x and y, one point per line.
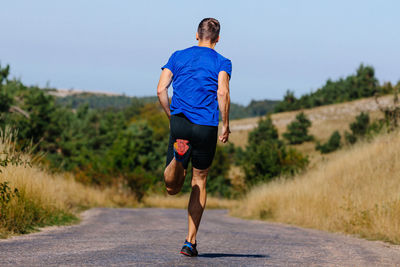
200	80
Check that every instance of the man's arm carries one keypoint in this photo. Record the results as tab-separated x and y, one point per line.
162	90
224	103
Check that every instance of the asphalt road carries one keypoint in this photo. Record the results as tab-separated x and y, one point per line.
143	237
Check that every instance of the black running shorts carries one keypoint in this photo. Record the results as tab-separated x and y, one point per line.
202	138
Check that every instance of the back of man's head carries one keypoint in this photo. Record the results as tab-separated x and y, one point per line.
209	29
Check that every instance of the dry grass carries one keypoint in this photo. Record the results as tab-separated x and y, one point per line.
45	198
61	191
181	202
357	191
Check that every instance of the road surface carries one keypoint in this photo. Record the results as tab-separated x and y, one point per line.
143	237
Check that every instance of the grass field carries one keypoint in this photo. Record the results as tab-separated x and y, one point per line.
44	198
357	192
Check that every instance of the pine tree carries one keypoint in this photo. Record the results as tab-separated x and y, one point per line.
297	131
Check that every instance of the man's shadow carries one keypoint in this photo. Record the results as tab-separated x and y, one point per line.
196	191
222	255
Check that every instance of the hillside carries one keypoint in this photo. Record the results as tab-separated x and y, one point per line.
325	120
356	192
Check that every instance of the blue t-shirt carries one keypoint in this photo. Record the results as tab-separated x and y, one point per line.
195	83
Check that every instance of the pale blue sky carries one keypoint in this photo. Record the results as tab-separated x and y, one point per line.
119	46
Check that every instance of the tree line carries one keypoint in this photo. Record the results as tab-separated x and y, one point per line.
355	86
102	101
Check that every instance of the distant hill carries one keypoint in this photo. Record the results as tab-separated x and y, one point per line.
100	100
71	92
256	108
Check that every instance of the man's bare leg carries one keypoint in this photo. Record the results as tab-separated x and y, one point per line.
174	176
197	202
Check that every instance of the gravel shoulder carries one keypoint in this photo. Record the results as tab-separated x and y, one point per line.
142	237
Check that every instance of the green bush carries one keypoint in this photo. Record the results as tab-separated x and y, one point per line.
297	131
218	183
332	144
359	128
139	181
267	157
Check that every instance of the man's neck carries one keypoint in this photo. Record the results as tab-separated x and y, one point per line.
207	44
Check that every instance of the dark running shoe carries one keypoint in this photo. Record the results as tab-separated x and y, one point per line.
189	249
181	150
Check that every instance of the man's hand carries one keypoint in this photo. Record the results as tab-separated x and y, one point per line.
225	134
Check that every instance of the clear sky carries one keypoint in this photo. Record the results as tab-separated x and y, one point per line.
119	46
